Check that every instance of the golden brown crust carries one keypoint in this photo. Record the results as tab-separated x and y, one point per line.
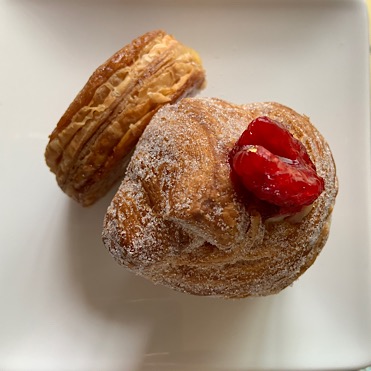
88	148
123	57
177	220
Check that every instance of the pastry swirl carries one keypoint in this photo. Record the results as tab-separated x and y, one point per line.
177	220
88	149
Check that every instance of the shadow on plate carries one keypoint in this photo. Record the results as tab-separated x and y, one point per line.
181	328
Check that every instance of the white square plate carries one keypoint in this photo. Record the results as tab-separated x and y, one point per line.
65	304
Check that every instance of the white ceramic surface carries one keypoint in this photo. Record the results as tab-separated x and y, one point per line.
65	304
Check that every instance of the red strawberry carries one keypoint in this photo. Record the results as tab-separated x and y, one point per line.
274	168
275	138
278	180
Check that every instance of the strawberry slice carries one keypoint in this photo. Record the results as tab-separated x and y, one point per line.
273	169
278	180
273	136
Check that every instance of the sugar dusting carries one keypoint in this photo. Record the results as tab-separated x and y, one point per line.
177	220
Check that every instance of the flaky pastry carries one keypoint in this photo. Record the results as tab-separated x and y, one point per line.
178	221
92	141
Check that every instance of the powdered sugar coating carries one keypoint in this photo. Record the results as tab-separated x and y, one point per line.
177	220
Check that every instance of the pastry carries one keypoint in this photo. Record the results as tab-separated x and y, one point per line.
182	219
89	148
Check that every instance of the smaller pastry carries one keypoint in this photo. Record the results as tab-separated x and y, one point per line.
224	200
89	149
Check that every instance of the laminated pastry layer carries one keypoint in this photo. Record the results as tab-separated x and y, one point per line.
177	220
87	150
